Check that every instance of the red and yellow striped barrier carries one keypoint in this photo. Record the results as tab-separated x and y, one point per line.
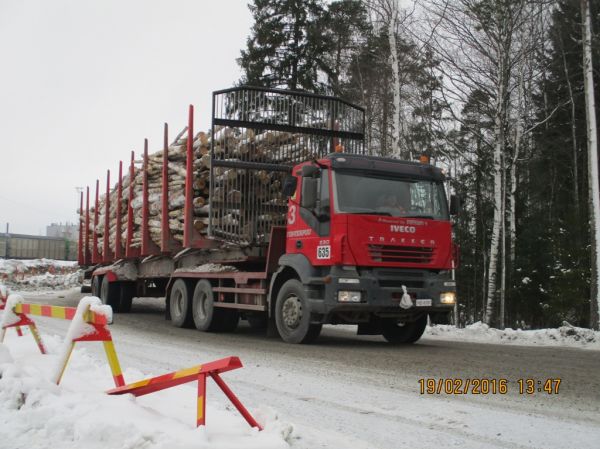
199	373
98	332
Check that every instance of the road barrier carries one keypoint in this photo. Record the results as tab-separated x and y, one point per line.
89	322
199	373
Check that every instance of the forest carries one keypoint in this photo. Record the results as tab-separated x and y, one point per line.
499	93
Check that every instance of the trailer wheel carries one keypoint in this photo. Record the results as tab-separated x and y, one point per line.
127	294
203	310
180	304
292	314
96	284
110	294
402	333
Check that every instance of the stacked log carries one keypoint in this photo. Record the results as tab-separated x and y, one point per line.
229	188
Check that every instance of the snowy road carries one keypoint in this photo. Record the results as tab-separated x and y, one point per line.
358	392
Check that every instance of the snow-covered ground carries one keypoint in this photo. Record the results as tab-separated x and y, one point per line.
326	396
36	413
39	274
565	336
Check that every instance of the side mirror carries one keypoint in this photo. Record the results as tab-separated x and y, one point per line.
289	186
454	204
309	192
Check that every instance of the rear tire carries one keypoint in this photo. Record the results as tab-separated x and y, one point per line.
96	285
110	294
403	333
292	314
127	294
180	304
203	310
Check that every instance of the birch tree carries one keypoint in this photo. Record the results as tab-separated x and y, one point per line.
592	145
394	19
477	42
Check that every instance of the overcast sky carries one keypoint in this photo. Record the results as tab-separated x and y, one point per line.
82	82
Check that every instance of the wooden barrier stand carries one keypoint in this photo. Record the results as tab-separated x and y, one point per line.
196	373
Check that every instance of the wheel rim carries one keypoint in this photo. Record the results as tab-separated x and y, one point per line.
178	303
291	311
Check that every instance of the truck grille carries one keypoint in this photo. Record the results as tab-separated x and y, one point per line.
401	254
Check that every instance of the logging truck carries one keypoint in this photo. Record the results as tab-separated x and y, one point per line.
277	216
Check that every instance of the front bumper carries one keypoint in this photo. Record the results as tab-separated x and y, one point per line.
381	293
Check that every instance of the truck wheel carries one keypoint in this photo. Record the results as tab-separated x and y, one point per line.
203	310
110	294
398	333
127	294
292	314
180	304
96	284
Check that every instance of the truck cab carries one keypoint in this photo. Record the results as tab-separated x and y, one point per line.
370	240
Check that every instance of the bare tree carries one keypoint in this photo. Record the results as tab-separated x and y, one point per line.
486	46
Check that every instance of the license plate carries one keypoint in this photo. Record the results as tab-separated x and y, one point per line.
423	302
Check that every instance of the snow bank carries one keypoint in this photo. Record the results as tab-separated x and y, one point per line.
37	274
36	413
8	316
566	335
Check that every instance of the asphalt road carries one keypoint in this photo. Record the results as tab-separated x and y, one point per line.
378	384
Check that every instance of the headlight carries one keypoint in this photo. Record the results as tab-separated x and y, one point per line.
448	298
348	296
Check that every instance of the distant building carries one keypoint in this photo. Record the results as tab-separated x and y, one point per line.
67	231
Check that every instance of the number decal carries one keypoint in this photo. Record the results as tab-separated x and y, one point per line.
292	214
324	252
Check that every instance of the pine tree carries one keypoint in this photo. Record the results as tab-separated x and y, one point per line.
285	46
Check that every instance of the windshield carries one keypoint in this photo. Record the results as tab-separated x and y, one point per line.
386	195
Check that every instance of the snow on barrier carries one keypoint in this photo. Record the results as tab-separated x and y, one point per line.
3	299
199	373
88	323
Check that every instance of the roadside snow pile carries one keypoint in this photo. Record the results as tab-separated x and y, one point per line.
566	335
36	413
37	274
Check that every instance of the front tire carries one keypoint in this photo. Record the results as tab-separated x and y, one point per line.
403	333
180	304
292	314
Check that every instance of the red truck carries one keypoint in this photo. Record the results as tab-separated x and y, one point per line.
334	237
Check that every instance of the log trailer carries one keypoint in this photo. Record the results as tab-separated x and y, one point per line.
319	243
